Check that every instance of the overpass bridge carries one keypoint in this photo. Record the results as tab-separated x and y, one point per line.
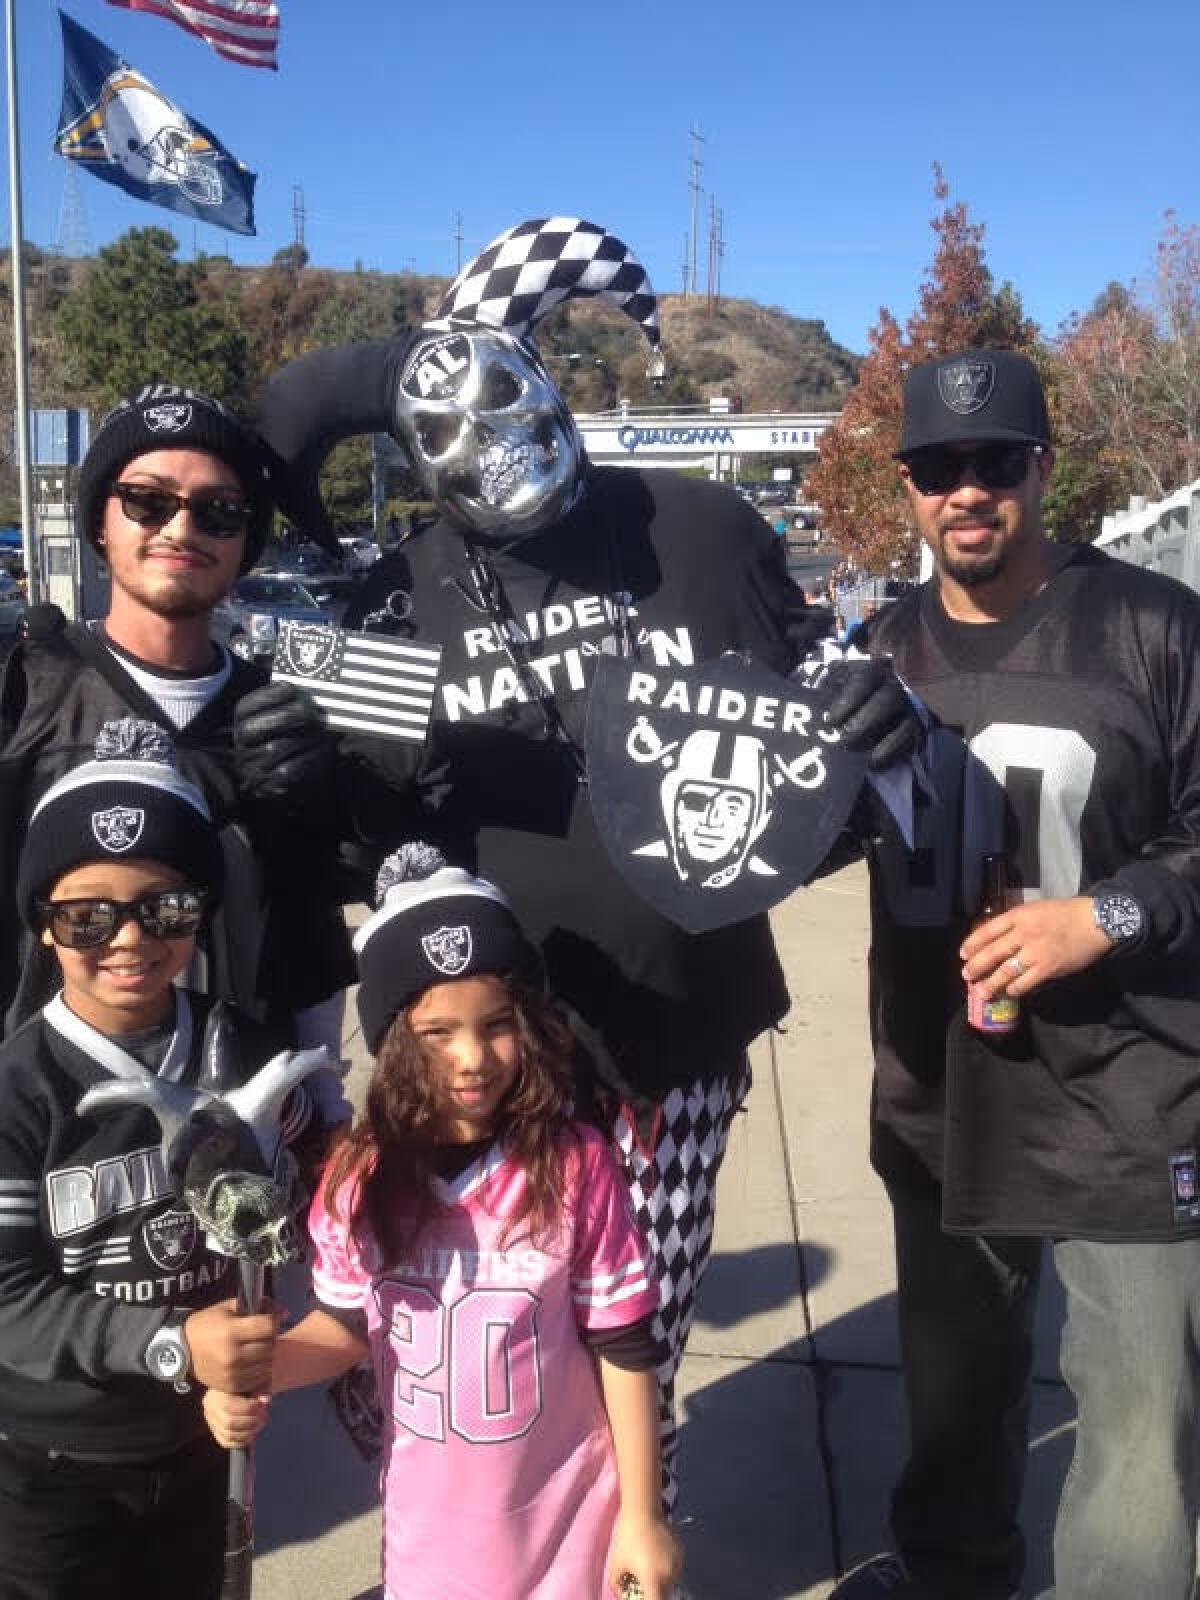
691	436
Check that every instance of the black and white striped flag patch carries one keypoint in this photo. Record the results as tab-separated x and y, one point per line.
362	681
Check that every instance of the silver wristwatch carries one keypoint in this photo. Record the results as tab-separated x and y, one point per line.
167	1356
1118	916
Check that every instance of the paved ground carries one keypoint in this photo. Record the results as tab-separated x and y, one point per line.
793	1416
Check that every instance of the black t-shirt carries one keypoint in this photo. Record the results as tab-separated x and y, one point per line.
704	575
1081	764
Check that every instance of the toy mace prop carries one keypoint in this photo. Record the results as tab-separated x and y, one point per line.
223	1150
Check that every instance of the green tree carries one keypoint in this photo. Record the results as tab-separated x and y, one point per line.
855	481
141	316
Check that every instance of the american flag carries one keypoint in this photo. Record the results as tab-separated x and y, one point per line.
363	681
245	31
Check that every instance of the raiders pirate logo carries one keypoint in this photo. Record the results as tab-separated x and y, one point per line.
167	417
119	828
966	386
716	789
448	949
306	649
170	1239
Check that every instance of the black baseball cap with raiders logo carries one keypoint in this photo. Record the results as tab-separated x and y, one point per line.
974	397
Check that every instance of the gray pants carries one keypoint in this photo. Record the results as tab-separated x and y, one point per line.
1131	1355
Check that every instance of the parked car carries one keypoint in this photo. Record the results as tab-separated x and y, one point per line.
323	575
248	618
12	603
359	553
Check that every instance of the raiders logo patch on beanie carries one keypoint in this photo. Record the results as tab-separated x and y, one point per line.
131	801
165	417
435	923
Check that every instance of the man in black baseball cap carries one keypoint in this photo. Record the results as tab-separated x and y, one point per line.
1036	1066
979	419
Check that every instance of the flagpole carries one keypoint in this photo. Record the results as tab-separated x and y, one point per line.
20	350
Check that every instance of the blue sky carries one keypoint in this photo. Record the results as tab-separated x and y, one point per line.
1067	128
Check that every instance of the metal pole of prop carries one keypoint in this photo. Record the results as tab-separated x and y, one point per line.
238	1578
33	579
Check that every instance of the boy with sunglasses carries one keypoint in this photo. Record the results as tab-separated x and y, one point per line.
112	1307
176	495
1064	688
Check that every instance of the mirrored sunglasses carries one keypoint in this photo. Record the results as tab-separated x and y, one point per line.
86	924
216	512
939	469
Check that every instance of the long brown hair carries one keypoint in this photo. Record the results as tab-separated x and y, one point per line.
389	1157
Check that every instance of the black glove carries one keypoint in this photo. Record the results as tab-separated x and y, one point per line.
283	750
871	711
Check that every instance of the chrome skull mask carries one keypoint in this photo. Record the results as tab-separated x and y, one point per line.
487	432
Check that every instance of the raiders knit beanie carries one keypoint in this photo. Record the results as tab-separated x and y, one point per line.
163	417
434	923
130	801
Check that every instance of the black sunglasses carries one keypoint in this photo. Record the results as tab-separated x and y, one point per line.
87	924
217	512
939	469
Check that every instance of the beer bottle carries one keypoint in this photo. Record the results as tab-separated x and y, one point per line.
1002	1013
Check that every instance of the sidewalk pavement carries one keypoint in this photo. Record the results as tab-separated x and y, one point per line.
791	1404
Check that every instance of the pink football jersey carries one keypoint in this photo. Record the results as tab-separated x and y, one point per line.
499	1481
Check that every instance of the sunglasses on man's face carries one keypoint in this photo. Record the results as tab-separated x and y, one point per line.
993	466
87	924
219	513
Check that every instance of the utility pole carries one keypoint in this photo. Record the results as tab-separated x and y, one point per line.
685	265
72	227
458	243
297	216
711	286
696	167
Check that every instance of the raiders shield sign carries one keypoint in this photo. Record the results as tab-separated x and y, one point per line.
716	788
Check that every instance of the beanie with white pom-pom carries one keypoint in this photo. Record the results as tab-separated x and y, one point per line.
435	923
130	801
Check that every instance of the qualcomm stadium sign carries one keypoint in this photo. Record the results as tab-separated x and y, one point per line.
661	437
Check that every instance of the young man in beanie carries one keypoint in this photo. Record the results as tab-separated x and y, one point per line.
175	494
113	1306
1065	695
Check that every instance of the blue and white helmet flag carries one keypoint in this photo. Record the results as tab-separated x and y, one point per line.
522	275
124	130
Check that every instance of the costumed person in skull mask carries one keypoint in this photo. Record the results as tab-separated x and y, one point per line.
175	493
539	565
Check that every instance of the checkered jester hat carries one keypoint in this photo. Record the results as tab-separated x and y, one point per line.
522	275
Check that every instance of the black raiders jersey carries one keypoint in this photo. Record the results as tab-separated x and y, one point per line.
95	1248
1068	738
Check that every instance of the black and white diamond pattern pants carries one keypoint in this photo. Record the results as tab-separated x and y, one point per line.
673	1185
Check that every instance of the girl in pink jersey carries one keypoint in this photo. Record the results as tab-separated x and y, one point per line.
479	1244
